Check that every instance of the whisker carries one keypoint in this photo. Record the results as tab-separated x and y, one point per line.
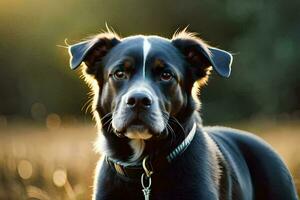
107	122
110	129
179	124
173	135
169	129
87	105
110	113
174	120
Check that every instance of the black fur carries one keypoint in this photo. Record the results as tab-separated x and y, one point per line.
220	163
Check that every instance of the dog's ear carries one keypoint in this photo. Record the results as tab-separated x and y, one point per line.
199	55
91	51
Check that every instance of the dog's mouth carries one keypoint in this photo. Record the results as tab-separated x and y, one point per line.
136	127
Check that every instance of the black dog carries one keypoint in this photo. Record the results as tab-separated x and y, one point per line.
151	134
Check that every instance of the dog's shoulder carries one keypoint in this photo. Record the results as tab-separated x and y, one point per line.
242	143
246	153
237	138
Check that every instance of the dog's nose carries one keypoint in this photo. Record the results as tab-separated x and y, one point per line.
139	99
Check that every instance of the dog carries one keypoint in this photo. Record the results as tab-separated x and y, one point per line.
152	140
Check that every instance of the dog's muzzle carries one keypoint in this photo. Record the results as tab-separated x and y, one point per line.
138	116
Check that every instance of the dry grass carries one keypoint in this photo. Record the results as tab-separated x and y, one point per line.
40	163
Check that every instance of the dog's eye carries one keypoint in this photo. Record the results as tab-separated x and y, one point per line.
119	75
166	76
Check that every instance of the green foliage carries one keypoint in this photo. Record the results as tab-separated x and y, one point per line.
263	36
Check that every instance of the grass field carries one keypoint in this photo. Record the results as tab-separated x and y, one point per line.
58	162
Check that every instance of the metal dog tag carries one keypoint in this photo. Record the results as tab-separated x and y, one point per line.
146	192
146	189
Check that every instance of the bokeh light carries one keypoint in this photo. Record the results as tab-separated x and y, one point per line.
59	177
25	169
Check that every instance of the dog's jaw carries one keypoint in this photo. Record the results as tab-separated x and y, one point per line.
136	143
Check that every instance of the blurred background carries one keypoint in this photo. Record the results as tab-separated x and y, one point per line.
46	131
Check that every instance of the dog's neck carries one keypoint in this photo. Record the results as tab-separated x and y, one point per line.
131	151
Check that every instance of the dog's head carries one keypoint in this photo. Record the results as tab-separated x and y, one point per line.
144	81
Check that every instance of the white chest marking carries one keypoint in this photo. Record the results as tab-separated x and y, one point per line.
138	147
146	49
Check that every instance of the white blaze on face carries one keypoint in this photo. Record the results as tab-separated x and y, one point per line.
146	49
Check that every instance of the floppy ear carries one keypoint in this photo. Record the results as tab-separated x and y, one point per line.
200	55
91	51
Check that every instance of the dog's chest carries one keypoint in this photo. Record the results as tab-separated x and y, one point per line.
183	179
170	186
